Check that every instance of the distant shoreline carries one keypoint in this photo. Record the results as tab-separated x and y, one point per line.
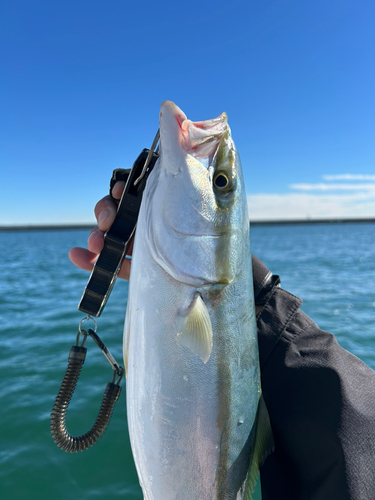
69	227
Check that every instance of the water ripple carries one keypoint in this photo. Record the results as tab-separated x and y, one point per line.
330	267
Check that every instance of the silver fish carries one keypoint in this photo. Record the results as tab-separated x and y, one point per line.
197	422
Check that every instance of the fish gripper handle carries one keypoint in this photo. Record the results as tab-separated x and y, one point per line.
117	238
60	434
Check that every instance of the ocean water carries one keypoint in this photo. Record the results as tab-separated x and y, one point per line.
332	267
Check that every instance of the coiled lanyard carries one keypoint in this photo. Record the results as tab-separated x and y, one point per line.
94	298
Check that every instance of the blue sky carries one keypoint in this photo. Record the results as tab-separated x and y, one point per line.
81	84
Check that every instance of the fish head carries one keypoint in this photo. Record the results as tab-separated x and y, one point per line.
197	218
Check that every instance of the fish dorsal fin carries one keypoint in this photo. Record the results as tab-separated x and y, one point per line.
194	329
263	446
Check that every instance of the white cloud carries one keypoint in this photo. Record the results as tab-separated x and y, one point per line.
330	200
333	187
310	206
349	177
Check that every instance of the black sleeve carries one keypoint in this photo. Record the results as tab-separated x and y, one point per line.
321	401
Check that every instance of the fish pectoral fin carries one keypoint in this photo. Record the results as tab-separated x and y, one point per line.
263	446
194	329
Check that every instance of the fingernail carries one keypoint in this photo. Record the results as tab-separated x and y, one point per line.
117	190
94	231
103	216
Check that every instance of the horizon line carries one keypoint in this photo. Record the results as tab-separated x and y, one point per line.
277	222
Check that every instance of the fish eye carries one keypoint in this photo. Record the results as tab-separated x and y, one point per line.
221	181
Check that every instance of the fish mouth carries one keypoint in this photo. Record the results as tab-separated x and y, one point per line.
204	136
199	139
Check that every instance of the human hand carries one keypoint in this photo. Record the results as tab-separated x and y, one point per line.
105	213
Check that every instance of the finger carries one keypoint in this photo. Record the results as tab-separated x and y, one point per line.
124	272
82	258
95	241
105	213
105	203
125	266
106	209
117	189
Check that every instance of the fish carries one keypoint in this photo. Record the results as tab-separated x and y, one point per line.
198	425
